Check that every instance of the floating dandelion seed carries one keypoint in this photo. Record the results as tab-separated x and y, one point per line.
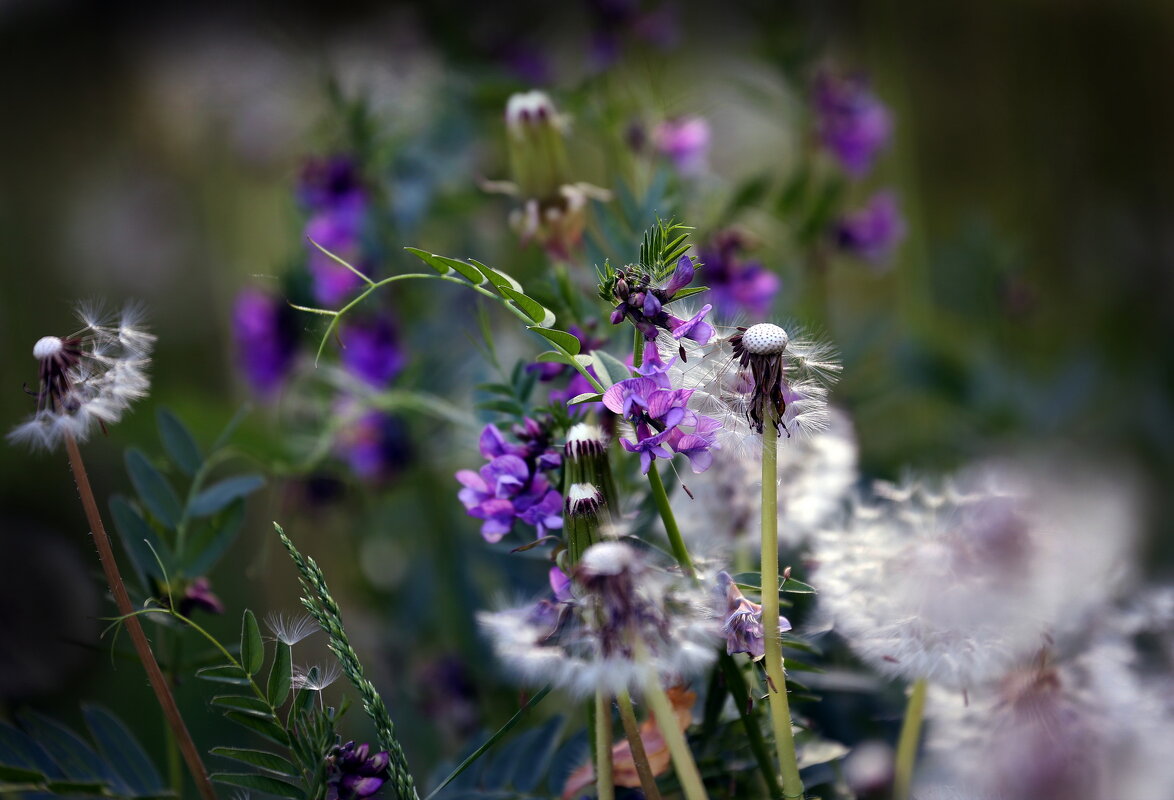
291	630
88	378
315	678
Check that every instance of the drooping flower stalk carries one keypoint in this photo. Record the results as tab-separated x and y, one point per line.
191	754
780	710
636	743
907	744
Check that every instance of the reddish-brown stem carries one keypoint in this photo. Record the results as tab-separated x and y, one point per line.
122	600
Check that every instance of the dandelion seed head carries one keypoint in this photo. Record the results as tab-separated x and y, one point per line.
958	584
623	621
88	378
1083	726
47	347
765	339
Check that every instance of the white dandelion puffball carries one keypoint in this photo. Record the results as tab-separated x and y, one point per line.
959	585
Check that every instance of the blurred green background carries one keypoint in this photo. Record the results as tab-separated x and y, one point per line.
150	152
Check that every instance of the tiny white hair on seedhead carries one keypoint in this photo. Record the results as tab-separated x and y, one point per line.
315	677
92	376
1088	724
291	629
815	479
723	390
957	585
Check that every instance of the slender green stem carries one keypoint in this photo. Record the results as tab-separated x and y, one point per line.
687	773
636	743
780	710
604	782
670	522
736	682
907	744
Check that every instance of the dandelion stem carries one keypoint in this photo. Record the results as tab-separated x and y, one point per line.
736	682
780	710
670	522
122	600
639	757
686	768
604	783
907	744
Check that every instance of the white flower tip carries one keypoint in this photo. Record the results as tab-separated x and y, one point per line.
765	339
47	347
528	107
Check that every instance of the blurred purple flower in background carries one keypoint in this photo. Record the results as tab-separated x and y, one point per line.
684	140
853	123
266	334
332	192
736	287
872	232
375	446
371	350
616	20
198	595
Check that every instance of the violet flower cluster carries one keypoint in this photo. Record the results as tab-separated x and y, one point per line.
854	124
513	485
872	232
661	421
331	189
643	304
266	333
737	287
353	772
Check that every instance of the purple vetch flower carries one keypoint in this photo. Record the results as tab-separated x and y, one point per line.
266	334
643	304
353	773
331	189
512	485
371	350
375	446
853	124
331	183
742	624
736	286
873	232
662	423
198	594
694	328
685	141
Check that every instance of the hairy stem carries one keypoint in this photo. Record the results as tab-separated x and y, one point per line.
907	744
604	782
639	757
155	676
780	710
